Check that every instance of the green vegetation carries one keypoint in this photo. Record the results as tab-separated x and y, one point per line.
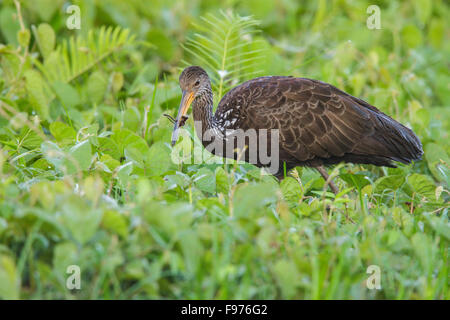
86	176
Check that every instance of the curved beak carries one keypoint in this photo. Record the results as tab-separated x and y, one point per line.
185	103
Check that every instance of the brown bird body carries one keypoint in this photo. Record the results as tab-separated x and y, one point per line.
318	124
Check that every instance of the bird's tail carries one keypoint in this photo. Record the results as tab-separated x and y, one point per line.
395	141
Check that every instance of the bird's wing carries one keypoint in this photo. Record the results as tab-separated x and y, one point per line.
317	120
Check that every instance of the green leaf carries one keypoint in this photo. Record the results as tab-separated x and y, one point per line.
163	44
424	250
136	155
9	24
115	222
287	277
441	225
46	39
357	180
63	133
78	55
422	185
9	279
436	32
411	36
53	154
291	190
109	147
126	138
388	183
171	219
178	179
192	249
435	155
158	159
65	254
46	8
423	9
124	172
37	96
222	183
82	154
402	218
205	180
250	199
68	96
132	118
80	218
96	87
29	138
23	37
224	45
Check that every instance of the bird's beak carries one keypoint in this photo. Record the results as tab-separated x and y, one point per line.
185	103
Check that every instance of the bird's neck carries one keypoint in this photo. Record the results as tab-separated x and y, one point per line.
203	114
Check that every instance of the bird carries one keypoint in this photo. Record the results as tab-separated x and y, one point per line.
318	125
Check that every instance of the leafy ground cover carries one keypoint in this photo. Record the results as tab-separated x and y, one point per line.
88	177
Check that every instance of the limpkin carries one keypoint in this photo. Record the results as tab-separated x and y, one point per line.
318	124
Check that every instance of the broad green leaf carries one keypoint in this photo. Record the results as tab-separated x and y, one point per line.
109	147
132	119
117	81
96	87
9	25
287	277
46	39
53	154
222	181
441	225
435	154
163	44
115	222
178	179
411	36
249	199
402	218
124	172
205	180
23	37
356	180
291	190
126	138
171	219
29	138
158	159
436	32
192	249
63	133
423	185
38	99
110	163
82	154
424	250
46	8
68	96
80	218
423	9
9	279
65	254
388	184
136	155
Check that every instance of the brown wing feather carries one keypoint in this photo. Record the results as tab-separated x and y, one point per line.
318	123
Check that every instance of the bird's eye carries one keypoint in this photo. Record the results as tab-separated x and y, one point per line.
197	83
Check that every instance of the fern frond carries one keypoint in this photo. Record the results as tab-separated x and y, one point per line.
224	44
78	55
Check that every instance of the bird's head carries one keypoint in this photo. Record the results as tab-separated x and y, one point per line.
195	85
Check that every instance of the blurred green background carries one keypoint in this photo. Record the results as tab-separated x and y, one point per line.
86	176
